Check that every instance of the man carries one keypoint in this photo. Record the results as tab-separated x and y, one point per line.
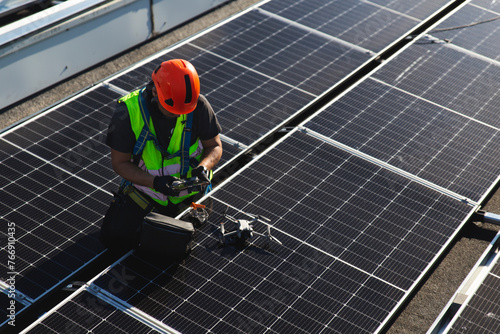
178	140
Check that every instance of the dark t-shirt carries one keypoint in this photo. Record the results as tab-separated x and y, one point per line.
121	137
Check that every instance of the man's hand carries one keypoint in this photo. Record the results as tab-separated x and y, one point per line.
202	173
163	184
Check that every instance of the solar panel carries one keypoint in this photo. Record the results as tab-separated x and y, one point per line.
356	238
86	313
373	25
422	138
56	174
449	77
480	38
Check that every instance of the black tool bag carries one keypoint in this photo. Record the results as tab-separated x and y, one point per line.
121	226
165	239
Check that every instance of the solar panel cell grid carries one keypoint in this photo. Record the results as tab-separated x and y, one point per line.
56	214
481	313
481	38
414	135
449	78
287	53
373	25
348	256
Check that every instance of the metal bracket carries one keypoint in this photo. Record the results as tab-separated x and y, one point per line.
73	286
487	217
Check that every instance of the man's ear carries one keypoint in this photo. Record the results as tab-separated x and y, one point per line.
154	92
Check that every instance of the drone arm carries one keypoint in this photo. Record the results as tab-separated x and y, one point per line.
230	233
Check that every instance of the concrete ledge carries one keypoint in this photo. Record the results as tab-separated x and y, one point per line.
59	42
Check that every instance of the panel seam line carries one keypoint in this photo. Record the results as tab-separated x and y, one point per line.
436	104
56	166
253	70
387	166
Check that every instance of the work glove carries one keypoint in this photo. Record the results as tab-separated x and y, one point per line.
163	184
201	172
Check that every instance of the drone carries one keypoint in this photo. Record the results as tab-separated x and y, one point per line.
244	229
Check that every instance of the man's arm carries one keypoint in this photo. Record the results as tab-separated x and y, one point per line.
212	152
128	170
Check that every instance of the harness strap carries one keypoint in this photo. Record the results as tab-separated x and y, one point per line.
146	135
185	144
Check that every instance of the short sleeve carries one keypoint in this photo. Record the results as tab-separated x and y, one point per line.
120	136
208	125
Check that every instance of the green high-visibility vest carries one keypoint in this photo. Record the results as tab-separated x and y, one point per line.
152	160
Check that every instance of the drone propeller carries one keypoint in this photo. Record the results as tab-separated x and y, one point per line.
264	218
271	237
258	217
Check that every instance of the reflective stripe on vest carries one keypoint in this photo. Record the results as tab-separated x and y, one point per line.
151	160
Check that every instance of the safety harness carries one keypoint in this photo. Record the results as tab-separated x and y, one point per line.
145	135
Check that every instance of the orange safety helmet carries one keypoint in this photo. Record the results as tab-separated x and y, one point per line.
178	86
